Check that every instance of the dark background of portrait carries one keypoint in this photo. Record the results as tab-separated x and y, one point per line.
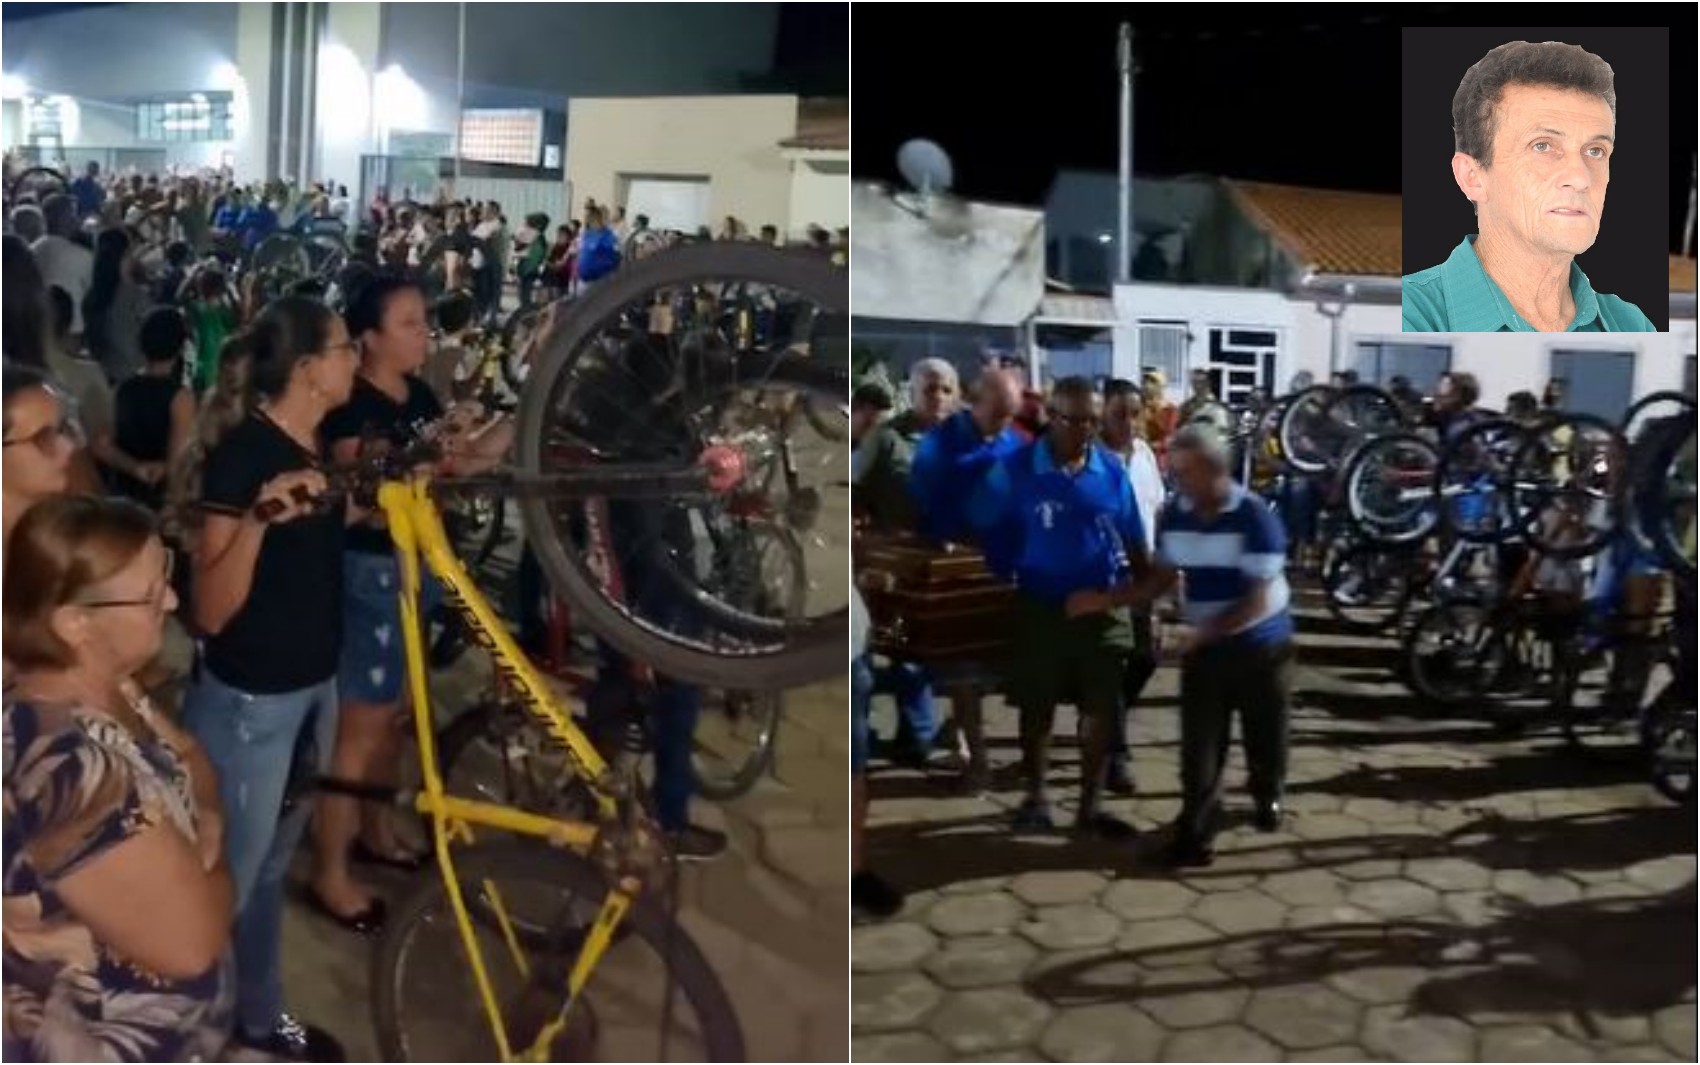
1629	259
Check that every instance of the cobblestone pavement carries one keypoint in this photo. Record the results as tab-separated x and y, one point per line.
1439	892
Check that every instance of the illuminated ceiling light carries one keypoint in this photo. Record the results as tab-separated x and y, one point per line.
1105	238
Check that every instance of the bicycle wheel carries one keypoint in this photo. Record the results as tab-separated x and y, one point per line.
1452	653
1474	481
1665	495
475	524
1358	414
517	336
1652	409
1304	433
1390	488
1569	481
734	741
1671	740
606	392
1367	586
35	185
651	997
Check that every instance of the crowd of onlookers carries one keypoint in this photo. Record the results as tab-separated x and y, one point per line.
171	440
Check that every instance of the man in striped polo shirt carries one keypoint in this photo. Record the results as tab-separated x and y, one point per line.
1229	548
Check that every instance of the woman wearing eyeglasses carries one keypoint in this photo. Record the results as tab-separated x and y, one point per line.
38	443
117	902
267	593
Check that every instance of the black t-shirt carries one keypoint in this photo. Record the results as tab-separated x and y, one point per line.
287	635
141	428
371	416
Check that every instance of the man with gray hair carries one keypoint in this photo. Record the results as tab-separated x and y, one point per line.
28	223
1229	546
1534	128
884	502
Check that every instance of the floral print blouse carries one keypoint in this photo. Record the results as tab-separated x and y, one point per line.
77	783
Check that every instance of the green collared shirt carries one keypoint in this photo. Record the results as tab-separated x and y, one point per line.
1459	297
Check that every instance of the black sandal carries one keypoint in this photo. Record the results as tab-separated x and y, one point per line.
367	922
365	855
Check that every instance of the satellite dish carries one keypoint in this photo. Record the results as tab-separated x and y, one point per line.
925	166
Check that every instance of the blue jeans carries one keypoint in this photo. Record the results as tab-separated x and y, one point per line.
252	742
674	709
912	687
861	696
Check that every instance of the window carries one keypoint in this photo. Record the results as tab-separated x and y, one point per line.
514	137
200	116
1163	346
1379	362
1600	383
1240	360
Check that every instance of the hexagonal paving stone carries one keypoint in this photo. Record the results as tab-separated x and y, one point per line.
1528	1042
883	947
1137	900
1328	826
1328	916
976	885
1147	939
1391	1032
981	961
1535	889
1594	1026
1057	887
1238	912
1395	898
1215	881
1304	887
1472	909
1663	874
967	915
1367	869
1073	927
1674	1028
1647	1052
998	1018
1380	812
1223	1042
1303	1017
896	1046
885	1001
1328	1054
1448	874
1378	984
1109	1032
1192	996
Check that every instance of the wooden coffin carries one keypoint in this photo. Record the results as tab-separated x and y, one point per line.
933	605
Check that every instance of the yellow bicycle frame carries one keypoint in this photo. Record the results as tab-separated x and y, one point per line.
416	527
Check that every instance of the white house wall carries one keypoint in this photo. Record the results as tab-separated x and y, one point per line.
1502	362
733	141
820	194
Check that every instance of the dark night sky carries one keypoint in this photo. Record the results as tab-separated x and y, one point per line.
1282	94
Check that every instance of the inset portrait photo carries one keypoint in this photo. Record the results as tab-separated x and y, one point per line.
1536	180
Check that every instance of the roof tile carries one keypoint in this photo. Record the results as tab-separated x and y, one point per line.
1327	231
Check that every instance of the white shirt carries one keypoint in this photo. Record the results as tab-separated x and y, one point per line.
1148	490
70	266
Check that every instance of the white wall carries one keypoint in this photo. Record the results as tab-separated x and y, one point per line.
117	51
1502	362
731	140
347	66
820	194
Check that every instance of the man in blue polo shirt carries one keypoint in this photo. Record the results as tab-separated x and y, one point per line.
1230	548
1059	518
954	457
1534	128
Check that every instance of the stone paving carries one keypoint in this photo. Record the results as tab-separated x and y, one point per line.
1439	892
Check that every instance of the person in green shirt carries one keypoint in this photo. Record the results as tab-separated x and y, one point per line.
1534	128
883	497
535	254
212	318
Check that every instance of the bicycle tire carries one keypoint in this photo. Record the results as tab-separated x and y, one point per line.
1642	405
1388	574
1599	499
1660	496
817	652
1672	776
515	337
1363	413
722	1036
29	176
724	787
1473	457
1302	414
1408	525
1439	682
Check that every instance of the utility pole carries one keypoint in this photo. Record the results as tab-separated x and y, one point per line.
1124	220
